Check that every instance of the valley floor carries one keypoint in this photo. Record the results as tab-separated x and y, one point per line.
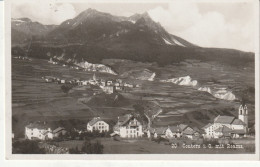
146	146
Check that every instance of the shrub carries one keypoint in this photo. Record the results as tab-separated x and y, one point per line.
27	147
74	150
66	88
213	142
92	148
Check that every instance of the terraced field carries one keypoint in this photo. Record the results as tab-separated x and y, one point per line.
33	99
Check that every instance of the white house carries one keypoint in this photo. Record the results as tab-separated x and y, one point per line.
128	127
228	126
62	81
38	131
108	89
97	124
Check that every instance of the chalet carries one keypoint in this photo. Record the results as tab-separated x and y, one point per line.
62	81
119	88
228	126
49	79
109	83
173	132
97	124
60	131
128	127
159	132
103	82
191	133
38	131
128	85
177	131
109	89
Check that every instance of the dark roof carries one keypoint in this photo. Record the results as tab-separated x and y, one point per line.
208	125
239	131
226	134
224	119
160	130
175	128
58	129
223	129
124	119
196	129
38	125
183	126
152	130
94	120
238	122
188	131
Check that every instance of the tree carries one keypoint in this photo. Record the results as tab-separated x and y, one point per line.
74	150
27	147
90	148
66	88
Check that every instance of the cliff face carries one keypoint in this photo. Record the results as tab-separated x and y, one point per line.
83	64
221	93
142	74
185	81
96	67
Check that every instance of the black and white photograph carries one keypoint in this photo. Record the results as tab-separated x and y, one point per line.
128	77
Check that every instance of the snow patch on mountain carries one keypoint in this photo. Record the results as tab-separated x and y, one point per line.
185	81
205	89
152	77
167	42
96	67
220	93
178	43
18	20
224	94
132	21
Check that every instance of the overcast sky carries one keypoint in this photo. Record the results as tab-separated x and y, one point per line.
224	25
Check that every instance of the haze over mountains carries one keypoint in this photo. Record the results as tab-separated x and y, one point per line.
92	36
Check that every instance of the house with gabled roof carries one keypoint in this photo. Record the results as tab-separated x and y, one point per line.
60	131
128	126
97	124
223	131
159	132
173	132
228	126
191	133
38	131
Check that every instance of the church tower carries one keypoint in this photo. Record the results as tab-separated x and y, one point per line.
243	114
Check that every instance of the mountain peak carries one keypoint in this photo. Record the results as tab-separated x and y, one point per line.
146	15
90	10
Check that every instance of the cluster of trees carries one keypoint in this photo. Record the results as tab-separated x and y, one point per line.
88	148
27	147
66	88
84	135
